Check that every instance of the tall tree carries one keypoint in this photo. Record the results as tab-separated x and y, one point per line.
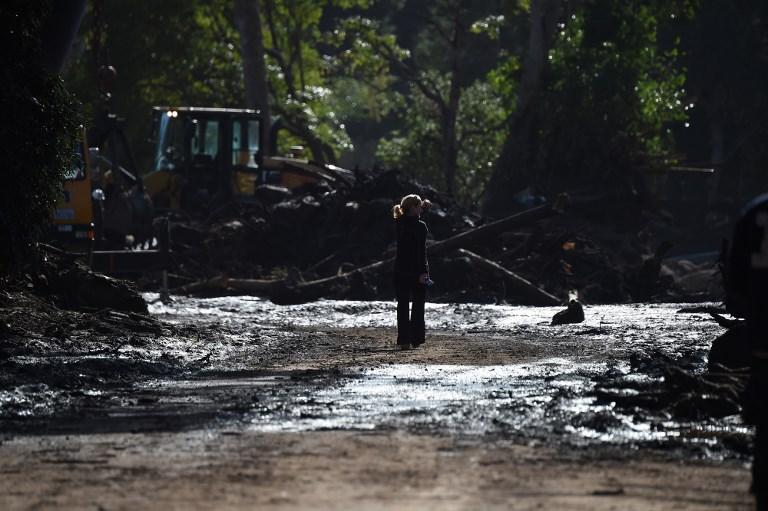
39	133
248	20
601	88
511	170
726	58
296	82
436	55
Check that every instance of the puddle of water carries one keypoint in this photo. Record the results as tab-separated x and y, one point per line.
519	399
540	402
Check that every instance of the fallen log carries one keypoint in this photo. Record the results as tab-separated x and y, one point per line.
224	283
494	228
218	283
534	294
286	294
486	231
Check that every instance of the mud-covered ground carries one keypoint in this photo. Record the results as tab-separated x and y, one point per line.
235	403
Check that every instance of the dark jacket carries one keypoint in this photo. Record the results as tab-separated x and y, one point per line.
411	256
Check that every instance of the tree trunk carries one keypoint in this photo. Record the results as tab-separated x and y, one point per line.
248	20
450	152
512	170
451	111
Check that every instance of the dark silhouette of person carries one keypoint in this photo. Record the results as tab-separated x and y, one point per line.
411	270
746	285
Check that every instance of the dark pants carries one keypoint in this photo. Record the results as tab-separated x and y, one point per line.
407	288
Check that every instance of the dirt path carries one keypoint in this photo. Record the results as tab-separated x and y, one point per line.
343	470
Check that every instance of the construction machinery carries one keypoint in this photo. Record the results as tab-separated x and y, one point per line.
101	200
73	216
207	156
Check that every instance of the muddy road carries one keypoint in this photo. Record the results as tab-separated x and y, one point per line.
235	403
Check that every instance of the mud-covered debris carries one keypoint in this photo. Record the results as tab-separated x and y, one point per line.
732	349
601	421
325	231
69	284
661	383
271	194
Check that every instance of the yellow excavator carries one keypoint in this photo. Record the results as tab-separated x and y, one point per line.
104	214
101	200
73	216
204	156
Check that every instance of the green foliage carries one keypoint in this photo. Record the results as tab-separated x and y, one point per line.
410	77
616	93
300	72
37	136
491	26
481	131
361	69
613	92
503	78
185	53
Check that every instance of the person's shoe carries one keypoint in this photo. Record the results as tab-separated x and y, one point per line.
417	344
403	347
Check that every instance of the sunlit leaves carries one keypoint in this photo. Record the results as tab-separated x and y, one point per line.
490	26
481	129
610	68
503	78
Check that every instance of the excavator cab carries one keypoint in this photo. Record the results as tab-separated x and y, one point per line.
207	156
204	155
73	215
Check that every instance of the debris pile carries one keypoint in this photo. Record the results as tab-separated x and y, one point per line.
67	283
675	387
297	245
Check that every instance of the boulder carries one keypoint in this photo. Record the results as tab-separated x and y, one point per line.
732	349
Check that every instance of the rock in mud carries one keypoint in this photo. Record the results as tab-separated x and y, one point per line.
732	349
600	421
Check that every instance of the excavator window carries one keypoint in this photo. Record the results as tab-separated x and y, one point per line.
206	140
245	143
170	142
76	170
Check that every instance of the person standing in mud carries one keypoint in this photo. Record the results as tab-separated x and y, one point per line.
411	269
747	297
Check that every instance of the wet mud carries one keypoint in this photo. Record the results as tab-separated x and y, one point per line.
630	382
486	370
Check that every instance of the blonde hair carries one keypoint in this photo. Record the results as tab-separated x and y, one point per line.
406	203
